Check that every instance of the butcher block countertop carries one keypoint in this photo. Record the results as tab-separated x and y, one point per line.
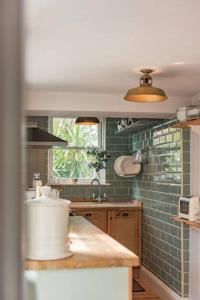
91	248
82	204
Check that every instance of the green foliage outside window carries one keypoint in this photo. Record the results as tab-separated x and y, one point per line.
74	163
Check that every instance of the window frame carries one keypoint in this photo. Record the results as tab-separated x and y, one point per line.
101	144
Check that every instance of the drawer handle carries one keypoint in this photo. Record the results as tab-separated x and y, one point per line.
125	215
88	215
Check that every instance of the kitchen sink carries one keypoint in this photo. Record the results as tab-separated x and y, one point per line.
91	203
103	203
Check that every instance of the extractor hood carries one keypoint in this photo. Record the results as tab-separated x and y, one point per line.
39	138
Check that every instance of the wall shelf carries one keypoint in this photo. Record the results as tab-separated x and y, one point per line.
187	124
138	125
184	221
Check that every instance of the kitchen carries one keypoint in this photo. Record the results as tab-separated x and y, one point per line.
159	196
69	74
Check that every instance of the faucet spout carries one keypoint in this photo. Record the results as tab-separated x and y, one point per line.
99	189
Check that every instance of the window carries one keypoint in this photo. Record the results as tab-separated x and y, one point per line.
73	162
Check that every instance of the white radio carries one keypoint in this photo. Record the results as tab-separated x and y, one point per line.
189	208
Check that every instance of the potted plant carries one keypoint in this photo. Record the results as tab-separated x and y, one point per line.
98	159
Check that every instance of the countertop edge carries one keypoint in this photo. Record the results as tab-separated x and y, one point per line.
114	255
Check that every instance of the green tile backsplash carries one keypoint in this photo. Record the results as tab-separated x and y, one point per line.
119	187
163	179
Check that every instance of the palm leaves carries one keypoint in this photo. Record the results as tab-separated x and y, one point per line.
73	163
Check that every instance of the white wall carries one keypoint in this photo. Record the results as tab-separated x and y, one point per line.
40	102
194	293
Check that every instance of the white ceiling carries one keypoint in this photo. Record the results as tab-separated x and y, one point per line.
88	46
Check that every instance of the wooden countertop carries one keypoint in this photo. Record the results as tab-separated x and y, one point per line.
105	205
91	248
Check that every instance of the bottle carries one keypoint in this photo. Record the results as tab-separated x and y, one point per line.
38	192
36	180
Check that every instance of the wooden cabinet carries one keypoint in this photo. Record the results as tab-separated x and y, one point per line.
125	227
121	224
98	218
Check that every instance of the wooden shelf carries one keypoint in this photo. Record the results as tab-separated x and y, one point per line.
187	124
190	223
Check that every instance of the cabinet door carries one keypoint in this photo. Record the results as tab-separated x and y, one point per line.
98	218
125	227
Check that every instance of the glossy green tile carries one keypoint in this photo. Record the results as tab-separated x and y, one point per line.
169	138
176	136
186	134
162	251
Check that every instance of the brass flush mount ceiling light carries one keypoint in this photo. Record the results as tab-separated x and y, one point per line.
145	92
87	121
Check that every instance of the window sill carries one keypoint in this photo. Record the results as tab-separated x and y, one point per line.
78	184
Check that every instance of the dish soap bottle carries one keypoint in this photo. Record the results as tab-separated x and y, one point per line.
36	180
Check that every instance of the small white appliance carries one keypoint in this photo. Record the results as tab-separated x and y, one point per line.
189	208
46	227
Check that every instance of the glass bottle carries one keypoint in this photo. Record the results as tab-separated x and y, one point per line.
36	180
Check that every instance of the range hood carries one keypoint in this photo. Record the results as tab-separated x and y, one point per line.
39	138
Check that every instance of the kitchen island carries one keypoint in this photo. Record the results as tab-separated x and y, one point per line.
99	268
122	220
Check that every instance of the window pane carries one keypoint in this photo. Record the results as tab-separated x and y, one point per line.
76	135
72	163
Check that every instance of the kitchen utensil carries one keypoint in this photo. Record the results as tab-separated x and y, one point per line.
127	166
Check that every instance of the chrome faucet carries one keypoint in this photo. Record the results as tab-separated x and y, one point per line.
99	189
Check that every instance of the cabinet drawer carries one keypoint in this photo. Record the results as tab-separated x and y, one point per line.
98	218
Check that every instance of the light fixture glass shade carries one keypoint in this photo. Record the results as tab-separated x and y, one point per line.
87	121
145	92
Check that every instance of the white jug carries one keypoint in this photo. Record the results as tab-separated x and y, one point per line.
46	228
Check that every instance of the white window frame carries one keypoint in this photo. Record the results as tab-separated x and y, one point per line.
101	144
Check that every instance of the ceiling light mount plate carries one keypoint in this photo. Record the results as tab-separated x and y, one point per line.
145	92
146	79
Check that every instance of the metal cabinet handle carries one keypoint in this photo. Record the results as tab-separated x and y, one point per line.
88	215
118	214
125	215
